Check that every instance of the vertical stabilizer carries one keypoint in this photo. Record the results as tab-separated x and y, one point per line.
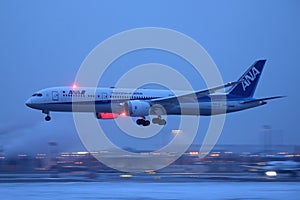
248	81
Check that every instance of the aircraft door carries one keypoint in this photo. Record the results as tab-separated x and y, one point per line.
55	95
104	96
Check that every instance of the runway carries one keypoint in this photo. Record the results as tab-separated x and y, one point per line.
145	177
152	190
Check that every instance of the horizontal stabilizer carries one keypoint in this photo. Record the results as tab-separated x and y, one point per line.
262	99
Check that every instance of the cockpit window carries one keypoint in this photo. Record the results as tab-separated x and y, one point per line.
37	94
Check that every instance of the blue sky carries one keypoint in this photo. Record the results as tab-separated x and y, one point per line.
43	43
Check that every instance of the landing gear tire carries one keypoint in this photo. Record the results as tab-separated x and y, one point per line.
139	121
47	118
143	122
162	122
146	123
159	121
155	120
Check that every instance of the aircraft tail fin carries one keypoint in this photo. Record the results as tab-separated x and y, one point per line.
248	81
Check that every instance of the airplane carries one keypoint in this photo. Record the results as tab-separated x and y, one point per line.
271	168
109	103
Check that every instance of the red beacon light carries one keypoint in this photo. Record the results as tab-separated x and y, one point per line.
74	86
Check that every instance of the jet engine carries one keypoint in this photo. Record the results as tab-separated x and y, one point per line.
137	108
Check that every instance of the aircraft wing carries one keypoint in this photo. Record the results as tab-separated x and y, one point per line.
261	99
191	96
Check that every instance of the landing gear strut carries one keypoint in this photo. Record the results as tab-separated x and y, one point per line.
143	122
47	118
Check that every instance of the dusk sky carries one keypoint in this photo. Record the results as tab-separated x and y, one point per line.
43	43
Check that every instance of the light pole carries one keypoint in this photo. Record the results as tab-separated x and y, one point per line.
267	132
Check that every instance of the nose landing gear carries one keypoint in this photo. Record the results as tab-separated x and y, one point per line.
47	118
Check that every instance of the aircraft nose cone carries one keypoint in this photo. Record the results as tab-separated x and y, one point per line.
28	103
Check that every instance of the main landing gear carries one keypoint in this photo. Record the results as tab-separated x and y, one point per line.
47	118
158	120
143	122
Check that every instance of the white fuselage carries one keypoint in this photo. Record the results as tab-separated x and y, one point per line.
111	100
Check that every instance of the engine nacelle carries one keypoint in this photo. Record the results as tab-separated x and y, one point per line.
137	108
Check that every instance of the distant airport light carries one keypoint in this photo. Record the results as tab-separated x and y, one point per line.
177	131
289	156
22	155
193	152
271	173
262	163
82	152
283	153
125	175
